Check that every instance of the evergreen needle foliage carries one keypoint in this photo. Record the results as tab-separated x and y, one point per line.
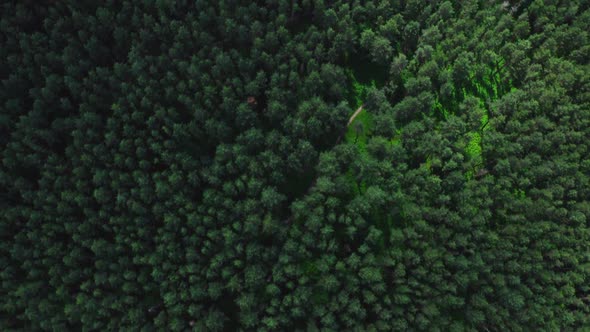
187	165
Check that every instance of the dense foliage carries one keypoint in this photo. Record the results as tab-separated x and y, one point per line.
187	165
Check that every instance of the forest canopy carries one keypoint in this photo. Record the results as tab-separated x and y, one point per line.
301	165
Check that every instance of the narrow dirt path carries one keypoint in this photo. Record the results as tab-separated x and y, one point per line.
354	115
313	183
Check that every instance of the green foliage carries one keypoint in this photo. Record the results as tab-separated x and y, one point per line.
187	165
360	129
